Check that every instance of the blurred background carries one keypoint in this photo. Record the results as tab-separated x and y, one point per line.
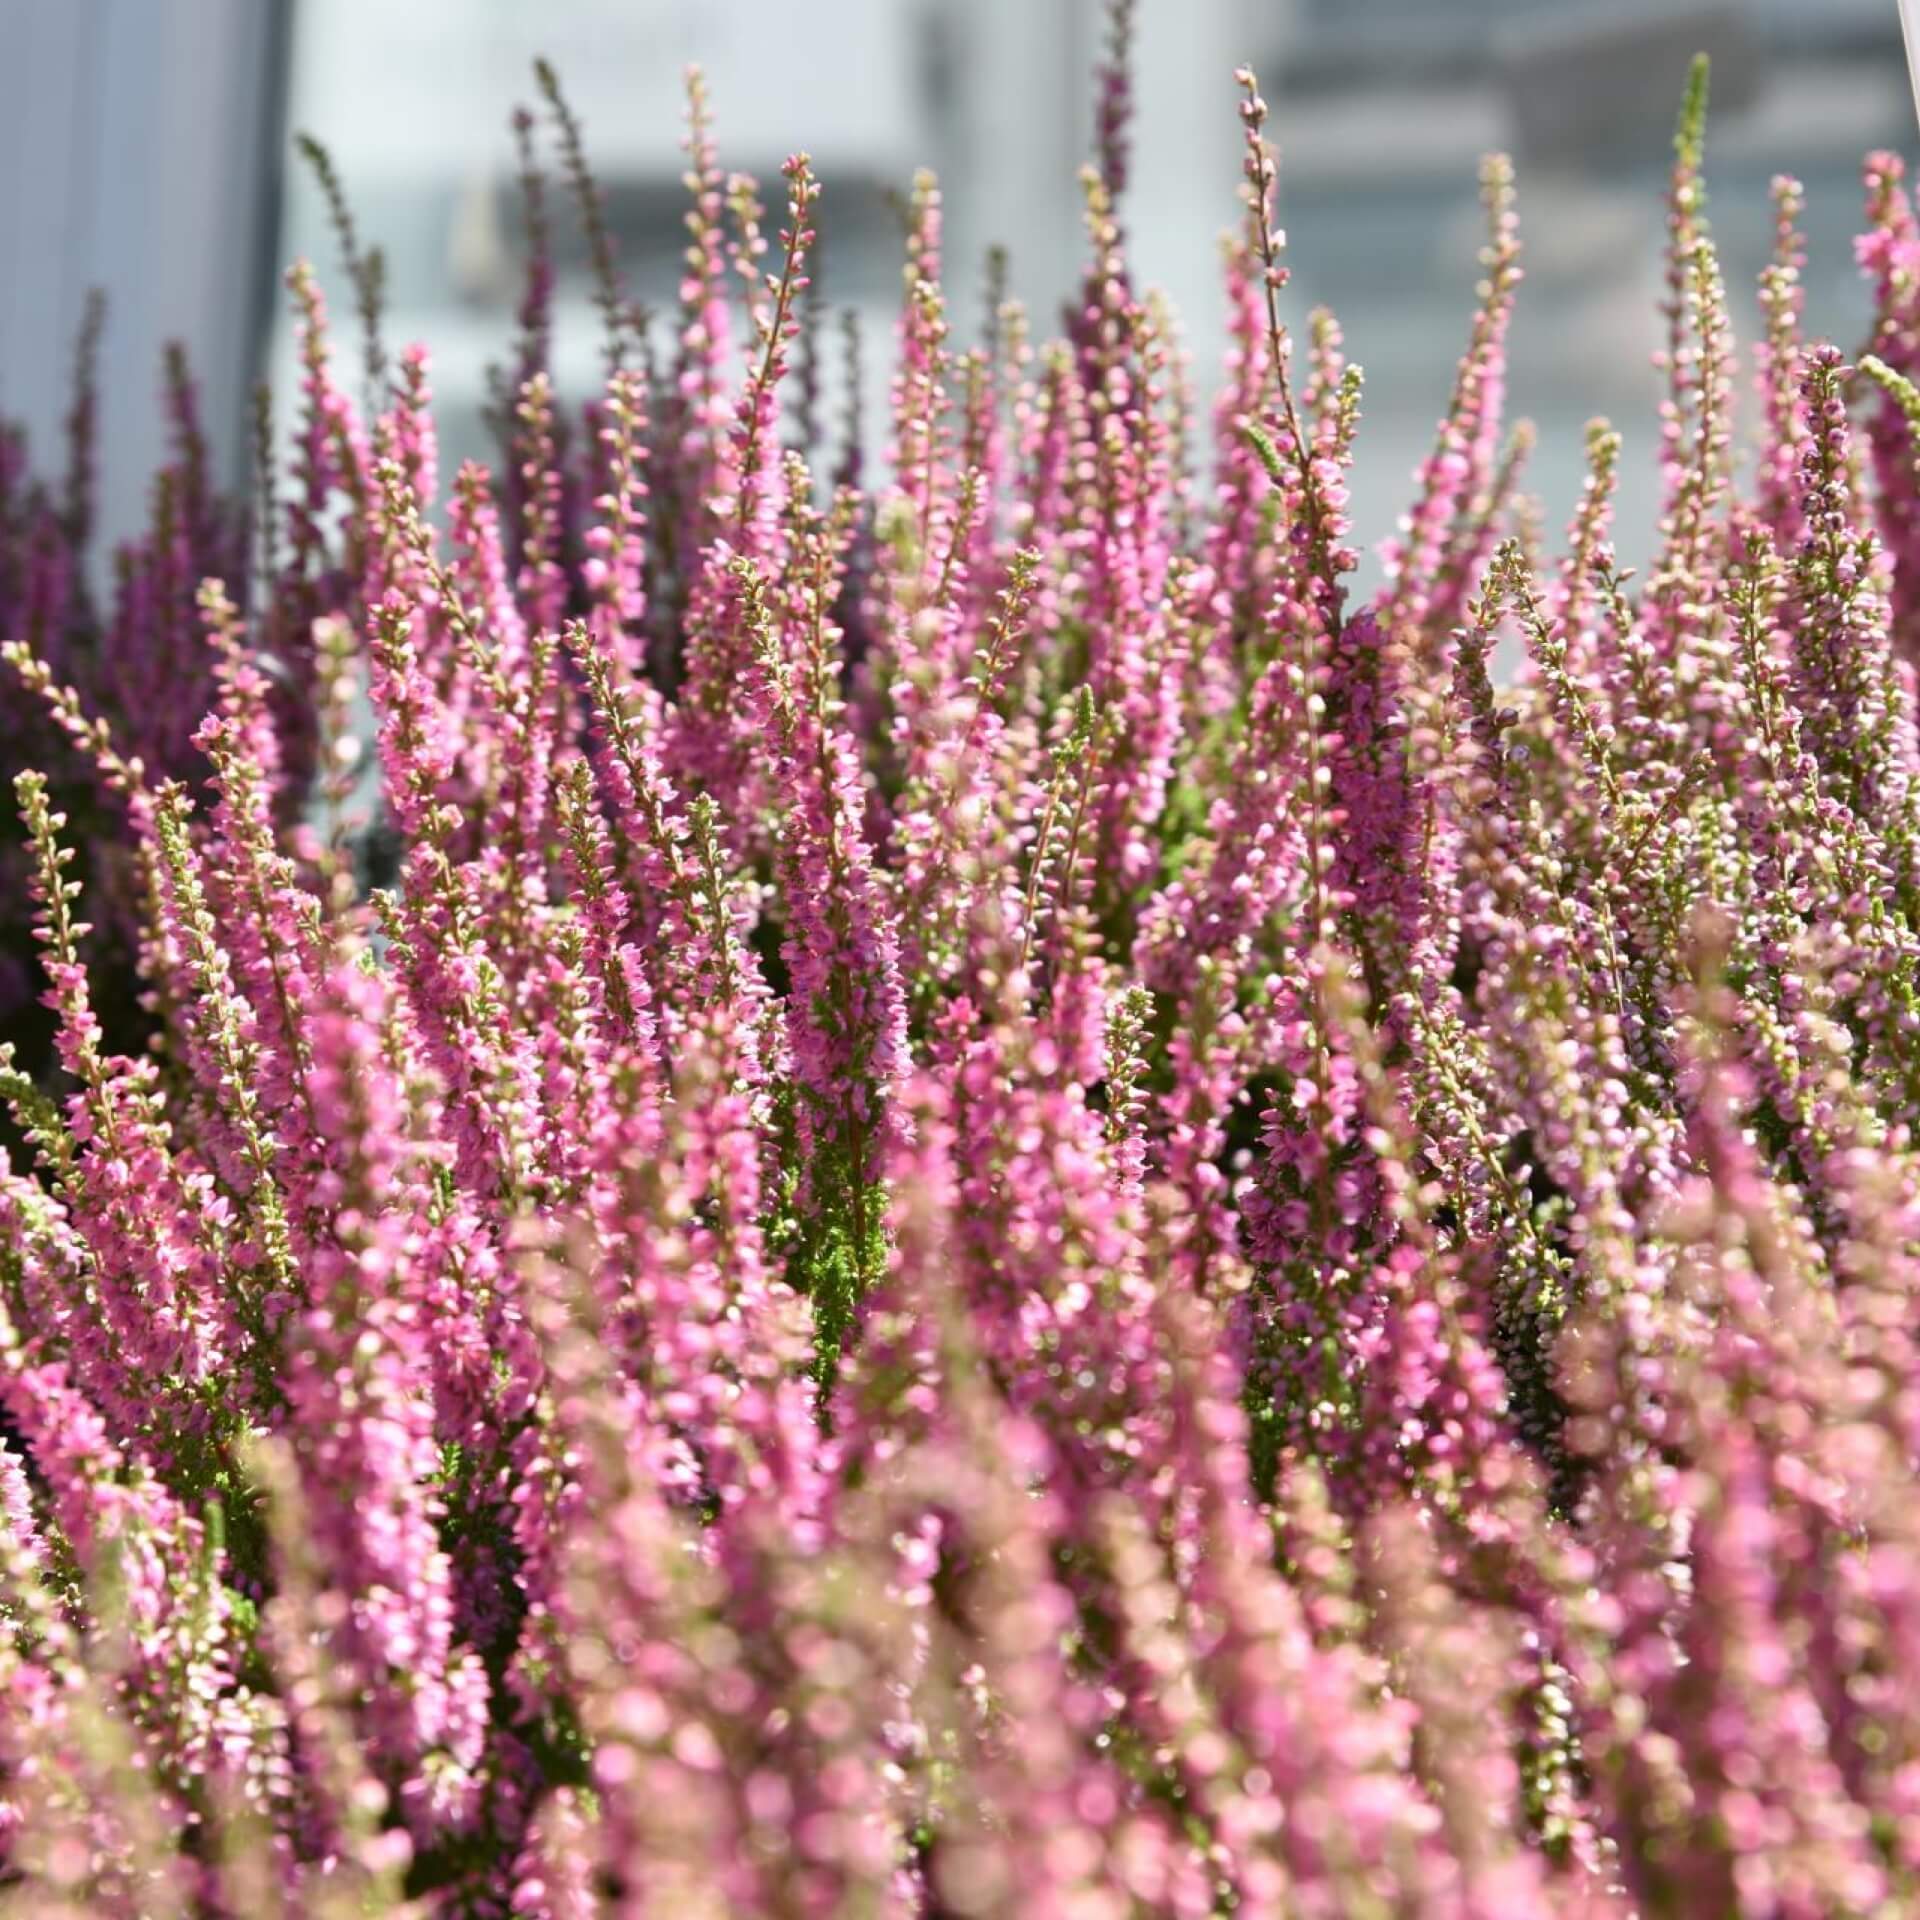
147	148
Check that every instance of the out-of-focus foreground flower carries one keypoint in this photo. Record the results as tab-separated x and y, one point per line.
974	1199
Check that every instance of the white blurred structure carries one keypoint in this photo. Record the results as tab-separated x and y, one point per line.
139	146
141	140
995	95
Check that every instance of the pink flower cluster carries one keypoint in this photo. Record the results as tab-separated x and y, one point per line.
976	1200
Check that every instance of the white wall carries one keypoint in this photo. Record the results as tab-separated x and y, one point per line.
132	158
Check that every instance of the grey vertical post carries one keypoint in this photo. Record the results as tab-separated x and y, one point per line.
138	153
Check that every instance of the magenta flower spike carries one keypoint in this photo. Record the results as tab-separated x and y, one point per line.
742	1180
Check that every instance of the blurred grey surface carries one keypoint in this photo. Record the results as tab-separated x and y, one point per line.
141	152
141	141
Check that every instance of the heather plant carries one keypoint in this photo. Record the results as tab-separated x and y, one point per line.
971	1195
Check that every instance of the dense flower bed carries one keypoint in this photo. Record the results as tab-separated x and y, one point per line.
975	1201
